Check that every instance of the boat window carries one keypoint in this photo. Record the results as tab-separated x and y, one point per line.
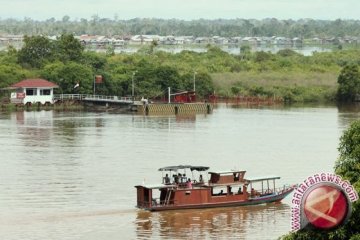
221	191
236	177
239	189
187	192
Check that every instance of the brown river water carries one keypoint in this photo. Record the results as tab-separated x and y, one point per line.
71	175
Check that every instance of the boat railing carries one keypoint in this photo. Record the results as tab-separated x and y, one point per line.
260	192
156	202
282	189
264	192
143	204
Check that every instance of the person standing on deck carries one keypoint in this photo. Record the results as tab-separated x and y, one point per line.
188	183
166	179
201	180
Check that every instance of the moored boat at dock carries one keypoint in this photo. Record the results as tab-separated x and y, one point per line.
221	189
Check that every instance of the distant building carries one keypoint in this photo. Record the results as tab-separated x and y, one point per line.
144	39
31	91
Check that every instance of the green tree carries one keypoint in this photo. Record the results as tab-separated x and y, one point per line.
245	51
287	53
37	50
67	75
69	48
153	46
262	56
349	83
348	164
94	60
348	167
10	74
166	76
204	84
110	50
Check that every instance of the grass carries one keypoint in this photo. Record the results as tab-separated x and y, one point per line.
291	86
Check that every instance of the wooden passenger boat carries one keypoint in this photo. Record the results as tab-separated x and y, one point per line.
222	189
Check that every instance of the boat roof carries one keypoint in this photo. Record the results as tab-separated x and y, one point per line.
178	167
156	186
227	172
263	178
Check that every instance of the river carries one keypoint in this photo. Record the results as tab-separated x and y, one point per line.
306	50
71	175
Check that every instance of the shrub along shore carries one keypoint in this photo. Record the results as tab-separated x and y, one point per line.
290	86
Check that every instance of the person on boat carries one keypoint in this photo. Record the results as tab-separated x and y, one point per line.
166	179
239	191
184	178
188	183
176	179
201	180
180	178
229	190
254	192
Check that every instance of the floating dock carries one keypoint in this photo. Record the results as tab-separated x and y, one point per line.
174	108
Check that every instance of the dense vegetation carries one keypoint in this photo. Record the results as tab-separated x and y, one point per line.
348	167
304	28
286	74
349	83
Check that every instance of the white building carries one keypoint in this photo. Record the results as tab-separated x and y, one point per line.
30	91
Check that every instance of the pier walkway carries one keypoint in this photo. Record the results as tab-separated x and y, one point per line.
128	104
93	98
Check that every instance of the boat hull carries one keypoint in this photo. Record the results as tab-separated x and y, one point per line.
251	201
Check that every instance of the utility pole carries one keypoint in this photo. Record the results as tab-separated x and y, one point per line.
132	85
194	79
169	95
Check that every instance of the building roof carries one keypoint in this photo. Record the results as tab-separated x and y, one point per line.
34	83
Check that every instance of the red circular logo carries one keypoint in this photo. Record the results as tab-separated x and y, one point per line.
325	207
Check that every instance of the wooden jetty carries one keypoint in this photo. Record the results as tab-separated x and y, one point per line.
128	104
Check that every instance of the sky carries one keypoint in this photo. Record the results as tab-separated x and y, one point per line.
180	9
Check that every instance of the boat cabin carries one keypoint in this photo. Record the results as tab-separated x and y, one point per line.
226	177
